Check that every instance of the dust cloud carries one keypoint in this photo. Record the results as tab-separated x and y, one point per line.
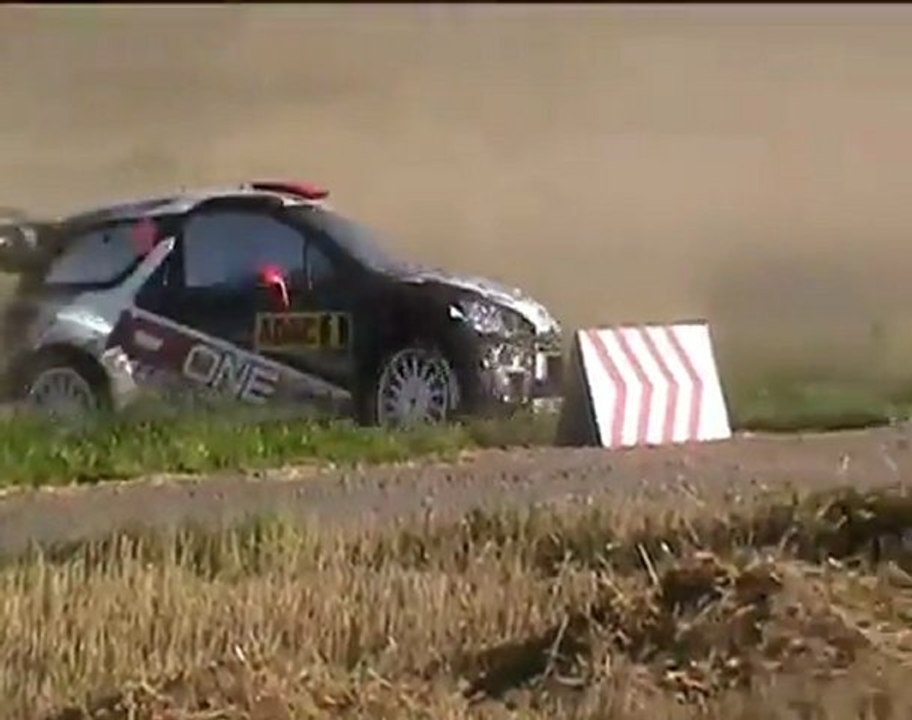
747	164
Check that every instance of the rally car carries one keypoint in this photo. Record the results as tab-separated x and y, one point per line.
265	294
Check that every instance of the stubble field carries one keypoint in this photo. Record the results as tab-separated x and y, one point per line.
746	165
663	585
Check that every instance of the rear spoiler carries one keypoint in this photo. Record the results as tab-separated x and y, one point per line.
24	242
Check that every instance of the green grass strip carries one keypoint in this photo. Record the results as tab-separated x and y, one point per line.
34	452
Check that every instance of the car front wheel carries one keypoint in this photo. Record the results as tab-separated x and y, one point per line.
415	385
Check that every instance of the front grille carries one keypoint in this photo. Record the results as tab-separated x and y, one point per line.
549	343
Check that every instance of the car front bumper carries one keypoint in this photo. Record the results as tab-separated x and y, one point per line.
510	376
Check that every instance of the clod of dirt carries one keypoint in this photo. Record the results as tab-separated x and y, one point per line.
692	583
229	690
706	627
876	523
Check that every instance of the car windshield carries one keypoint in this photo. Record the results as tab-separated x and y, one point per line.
359	241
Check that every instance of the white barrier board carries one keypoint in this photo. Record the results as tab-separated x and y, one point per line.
653	385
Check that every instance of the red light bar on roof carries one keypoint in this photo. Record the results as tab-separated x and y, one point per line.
304	190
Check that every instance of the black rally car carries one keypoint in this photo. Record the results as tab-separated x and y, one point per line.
264	293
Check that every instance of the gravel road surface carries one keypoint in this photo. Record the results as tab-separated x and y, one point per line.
737	469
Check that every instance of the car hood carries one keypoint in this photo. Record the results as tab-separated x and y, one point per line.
499	293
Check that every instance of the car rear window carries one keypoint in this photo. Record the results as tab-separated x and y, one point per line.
102	254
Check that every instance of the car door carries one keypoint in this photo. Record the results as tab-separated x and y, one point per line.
203	320
318	331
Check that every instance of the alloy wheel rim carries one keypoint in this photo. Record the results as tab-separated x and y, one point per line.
415	388
63	393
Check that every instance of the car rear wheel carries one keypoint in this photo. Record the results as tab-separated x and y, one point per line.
62	391
416	385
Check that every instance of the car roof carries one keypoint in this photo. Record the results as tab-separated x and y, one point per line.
287	192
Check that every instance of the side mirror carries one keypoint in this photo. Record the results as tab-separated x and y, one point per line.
271	282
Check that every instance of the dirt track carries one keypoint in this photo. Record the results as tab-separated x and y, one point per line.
679	478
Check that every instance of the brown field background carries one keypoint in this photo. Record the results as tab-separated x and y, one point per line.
750	165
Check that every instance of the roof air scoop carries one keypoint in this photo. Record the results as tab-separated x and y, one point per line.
303	190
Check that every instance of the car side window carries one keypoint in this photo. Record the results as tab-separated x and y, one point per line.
228	247
320	268
96	256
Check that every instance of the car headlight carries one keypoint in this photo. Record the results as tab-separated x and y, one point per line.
487	318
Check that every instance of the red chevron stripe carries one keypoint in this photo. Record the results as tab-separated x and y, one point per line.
620	405
646	385
671	402
697	382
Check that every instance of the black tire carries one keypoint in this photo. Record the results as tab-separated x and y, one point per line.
79	379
